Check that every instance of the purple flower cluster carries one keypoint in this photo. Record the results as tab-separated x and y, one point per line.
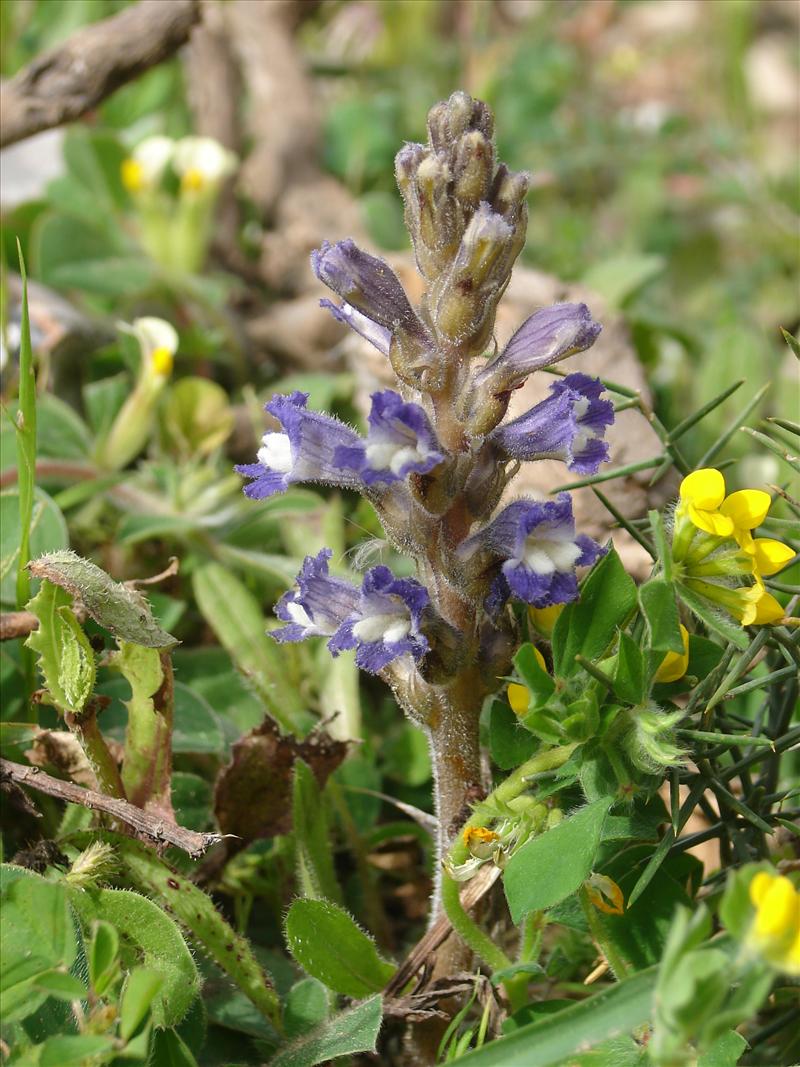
381	620
435	459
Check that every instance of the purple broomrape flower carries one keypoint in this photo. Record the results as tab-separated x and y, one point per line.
385	622
400	440
377	335
319	605
376	304
568	425
537	542
546	337
303	452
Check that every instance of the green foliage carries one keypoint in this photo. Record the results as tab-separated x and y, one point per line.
328	944
552	866
66	658
351	1031
315	872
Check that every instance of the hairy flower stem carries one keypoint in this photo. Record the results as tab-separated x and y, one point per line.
469	931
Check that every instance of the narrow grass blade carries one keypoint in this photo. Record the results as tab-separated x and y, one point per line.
721	441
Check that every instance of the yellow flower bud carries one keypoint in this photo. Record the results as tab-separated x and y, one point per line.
132	174
775	932
193	180
544	619
674	664
161	360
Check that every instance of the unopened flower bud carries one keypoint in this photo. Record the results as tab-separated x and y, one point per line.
474	167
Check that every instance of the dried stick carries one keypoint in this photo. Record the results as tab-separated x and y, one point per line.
17	624
440	930
64	83
159	830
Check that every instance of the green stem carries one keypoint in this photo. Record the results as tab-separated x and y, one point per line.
100	759
532	929
480	943
618	966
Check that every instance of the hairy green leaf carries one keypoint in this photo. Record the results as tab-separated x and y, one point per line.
351	1031
66	658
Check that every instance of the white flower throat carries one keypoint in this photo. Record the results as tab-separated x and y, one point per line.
545	555
276	453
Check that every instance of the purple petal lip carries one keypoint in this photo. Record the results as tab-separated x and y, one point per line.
318	606
385	623
303	452
371	331
546	337
568	425
367	284
400	441
537	543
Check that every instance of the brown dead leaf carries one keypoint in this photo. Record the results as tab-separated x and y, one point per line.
252	793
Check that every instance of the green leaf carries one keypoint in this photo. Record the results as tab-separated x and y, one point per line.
191	800
48	533
103	400
61	432
124	612
657	601
551	866
305	1007
73	1050
725	1052
61	985
36	935
235	616
141	989
66	659
195	910
196	728
170	1050
619	277
723	626
349	1032
629	674
537	680
148	937
330	946
509	743
196	417
102	955
587	626
316	875
557	1038
135	527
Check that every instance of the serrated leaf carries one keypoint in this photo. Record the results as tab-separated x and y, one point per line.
351	1031
551	866
148	753
66	659
330	946
148	937
124	612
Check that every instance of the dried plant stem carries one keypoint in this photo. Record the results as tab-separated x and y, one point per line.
158	830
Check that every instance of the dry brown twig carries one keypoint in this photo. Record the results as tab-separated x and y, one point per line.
158	830
67	81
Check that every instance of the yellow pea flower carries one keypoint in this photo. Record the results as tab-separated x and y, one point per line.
519	695
701	496
775	932
760	608
673	665
132	174
480	841
544	619
605	894
769	556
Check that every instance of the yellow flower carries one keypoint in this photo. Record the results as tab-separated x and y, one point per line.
605	894
480	841
519	695
769	556
161	360
775	932
674	664
544	619
702	494
132	174
761	607
193	179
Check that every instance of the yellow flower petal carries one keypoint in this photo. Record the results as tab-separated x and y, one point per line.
605	894
778	911
704	488
748	508
712	522
761	610
771	556
132	174
674	664
759	887
544	619
161	361
518	698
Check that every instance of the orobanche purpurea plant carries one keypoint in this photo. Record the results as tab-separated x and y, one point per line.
627	686
576	720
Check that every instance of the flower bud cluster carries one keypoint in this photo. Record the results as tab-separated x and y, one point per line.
436	459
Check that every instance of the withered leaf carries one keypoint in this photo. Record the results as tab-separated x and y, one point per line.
251	794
